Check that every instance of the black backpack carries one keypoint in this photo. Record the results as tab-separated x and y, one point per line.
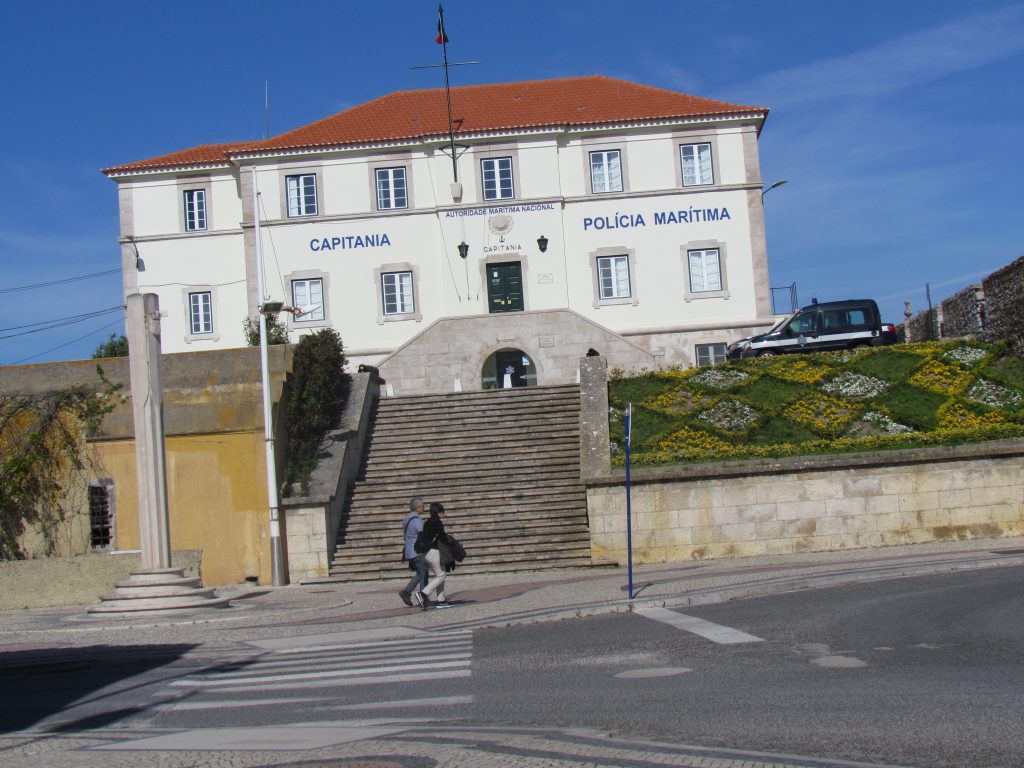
424	542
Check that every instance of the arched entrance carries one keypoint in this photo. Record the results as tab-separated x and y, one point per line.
508	367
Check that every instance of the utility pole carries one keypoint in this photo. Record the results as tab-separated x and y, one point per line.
278	577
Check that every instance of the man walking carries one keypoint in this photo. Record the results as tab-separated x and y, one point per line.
413	526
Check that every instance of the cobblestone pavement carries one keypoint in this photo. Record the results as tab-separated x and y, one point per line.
56	640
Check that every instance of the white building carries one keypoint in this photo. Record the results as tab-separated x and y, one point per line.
591	213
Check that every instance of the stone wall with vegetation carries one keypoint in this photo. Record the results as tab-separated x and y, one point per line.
1004	306
963	314
990	311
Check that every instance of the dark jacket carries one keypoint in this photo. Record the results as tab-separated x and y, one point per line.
435	529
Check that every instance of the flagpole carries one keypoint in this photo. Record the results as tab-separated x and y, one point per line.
447	89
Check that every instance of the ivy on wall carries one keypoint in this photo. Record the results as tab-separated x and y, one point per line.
44	462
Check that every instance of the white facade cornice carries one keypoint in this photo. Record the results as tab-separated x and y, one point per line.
134	173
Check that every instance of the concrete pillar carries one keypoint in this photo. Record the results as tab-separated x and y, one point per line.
143	327
595	458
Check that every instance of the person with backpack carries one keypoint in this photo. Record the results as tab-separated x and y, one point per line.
417	560
433	532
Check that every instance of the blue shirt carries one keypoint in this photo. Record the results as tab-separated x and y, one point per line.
413	525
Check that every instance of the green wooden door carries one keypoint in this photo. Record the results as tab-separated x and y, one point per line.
505	287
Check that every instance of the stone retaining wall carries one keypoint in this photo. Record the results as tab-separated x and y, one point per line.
313	520
54	581
733	509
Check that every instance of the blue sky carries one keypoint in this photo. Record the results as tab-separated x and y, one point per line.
898	123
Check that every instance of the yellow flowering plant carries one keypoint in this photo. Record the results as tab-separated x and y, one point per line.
937	376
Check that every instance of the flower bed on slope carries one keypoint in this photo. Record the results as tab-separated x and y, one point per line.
936	393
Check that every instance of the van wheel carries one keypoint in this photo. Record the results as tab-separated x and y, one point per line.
767	353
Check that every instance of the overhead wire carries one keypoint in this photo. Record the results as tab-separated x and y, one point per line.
66	344
273	250
59	282
60	322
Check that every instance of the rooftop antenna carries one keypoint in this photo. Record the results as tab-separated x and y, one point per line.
266	110
442	39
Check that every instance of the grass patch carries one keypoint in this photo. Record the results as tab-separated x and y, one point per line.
648	427
1007	370
912	406
636	390
770	392
887	364
780	430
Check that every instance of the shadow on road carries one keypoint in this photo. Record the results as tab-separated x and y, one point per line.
41	683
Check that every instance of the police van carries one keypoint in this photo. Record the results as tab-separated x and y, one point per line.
829	325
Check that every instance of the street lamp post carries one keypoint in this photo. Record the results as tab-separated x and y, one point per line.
772	186
278	577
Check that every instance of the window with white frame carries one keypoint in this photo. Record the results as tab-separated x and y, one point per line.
195	209
397	293
696	163
497	178
613	277
705	270
710	354
308	298
200	306
606	171
391	189
302	195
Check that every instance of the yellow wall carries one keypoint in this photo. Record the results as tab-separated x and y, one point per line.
217	496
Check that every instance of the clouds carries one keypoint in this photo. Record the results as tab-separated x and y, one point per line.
902	62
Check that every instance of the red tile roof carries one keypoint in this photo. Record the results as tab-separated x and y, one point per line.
402	115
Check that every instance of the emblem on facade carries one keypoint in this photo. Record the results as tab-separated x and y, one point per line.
500	224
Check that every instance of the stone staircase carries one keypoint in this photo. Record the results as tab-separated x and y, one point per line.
505	464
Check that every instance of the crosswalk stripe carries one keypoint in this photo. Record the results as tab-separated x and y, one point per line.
418	642
716	633
411	653
324	667
318	675
448	674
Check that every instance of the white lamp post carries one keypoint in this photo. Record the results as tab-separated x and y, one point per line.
278	577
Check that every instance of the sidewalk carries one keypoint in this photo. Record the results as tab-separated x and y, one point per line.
261	613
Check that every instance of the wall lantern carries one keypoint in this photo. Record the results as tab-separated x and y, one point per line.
463	249
542	243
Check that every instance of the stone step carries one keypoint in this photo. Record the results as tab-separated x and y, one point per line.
387	537
374	498
475	516
494	412
535	468
449	484
456	400
522	433
400	570
155	586
505	464
496	416
157	603
472	456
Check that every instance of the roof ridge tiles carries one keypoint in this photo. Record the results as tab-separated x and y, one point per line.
483	108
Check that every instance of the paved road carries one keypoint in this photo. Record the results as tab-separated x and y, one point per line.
539	671
925	671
